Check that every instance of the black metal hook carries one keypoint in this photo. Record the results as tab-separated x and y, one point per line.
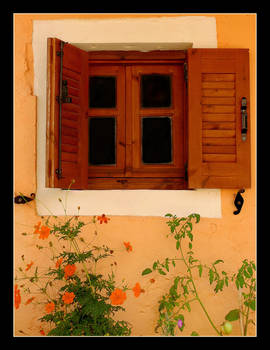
238	202
23	199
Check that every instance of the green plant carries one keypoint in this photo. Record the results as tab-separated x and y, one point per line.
78	300
245	282
184	291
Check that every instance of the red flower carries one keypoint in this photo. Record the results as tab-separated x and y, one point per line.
137	290
17	296
103	218
118	297
37	226
69	271
44	232
29	265
49	307
58	262
68	297
128	246
42	331
29	300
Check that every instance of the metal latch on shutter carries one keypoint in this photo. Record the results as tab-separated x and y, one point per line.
244	118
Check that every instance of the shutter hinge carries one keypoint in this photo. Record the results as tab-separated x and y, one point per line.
64	97
59	173
185	73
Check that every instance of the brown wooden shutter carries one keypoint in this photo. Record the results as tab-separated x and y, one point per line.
73	144
218	79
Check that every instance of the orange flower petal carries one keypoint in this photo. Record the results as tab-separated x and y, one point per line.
68	297
128	246
118	297
69	270
29	265
137	290
44	232
37	226
58	262
17	297
49	307
29	300
103	218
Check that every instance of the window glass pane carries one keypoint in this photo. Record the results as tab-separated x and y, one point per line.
156	140
102	92
155	90
102	137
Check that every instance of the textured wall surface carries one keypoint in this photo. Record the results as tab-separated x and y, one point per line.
231	238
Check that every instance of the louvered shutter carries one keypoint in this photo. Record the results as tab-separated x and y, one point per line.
70	144
218	79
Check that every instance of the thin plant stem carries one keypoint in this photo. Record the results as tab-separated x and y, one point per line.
196	293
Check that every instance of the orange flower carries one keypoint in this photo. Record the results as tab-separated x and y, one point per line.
103	218
152	280
49	307
137	290
44	232
69	271
128	246
118	297
29	300
68	297
42	331
37	227
17	296
29	265
58	262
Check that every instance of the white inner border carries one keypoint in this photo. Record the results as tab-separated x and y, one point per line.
127	34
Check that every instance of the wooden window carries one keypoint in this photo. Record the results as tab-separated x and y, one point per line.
130	120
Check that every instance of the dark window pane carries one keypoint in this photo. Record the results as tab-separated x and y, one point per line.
102	141
102	92
156	140
155	90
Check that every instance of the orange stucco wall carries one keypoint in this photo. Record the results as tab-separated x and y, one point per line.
231	238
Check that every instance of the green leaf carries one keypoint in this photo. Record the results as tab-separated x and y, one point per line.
161	272
200	270
233	315
194	334
211	276
217	262
190	245
250	304
155	265
177	245
146	271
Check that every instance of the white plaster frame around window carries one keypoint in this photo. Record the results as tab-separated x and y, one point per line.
159	33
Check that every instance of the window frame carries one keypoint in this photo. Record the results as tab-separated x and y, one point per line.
166	178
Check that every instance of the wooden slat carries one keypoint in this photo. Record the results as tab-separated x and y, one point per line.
218	125
217	77
219	158
218	85
69	140
69	148
218	109
218	133
218	117
218	92
215	141
69	131
218	100
224	149
70	157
